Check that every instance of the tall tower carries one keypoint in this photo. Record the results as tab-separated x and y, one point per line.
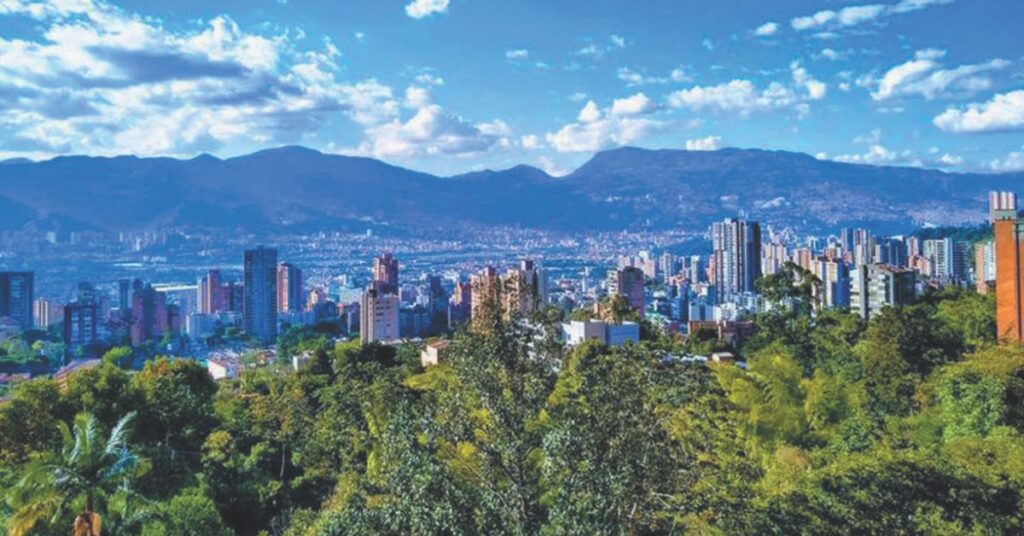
211	293
289	288
1009	249
260	310
629	283
16	289
385	273
737	255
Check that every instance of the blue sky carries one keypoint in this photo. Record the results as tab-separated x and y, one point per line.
448	86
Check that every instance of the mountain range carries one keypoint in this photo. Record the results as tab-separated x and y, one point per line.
295	189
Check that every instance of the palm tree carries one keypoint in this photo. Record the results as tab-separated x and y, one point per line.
86	474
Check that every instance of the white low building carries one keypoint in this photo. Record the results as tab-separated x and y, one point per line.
576	332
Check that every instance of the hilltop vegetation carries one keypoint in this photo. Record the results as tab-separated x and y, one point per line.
909	424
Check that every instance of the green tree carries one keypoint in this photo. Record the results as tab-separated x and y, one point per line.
80	479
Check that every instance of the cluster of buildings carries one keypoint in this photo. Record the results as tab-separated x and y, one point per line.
853	270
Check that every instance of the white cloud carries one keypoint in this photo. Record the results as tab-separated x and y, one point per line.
633	105
925	76
708	143
766	29
418	9
519	54
595	129
830	54
708	44
579	96
1003	113
879	155
815	88
431	131
99	80
530	142
1011	162
872	138
855	15
597	51
679	75
549	167
589	113
950	160
634	78
738	96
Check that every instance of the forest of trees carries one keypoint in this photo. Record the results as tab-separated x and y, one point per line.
909	424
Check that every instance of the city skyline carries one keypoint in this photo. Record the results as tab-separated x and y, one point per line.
888	83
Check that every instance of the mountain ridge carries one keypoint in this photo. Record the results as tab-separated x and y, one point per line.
294	188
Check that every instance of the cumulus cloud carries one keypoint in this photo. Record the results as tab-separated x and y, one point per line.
1003	113
767	29
879	155
924	76
815	88
97	79
597	129
708	143
633	105
517	55
418	9
530	142
859	14
597	50
744	98
1013	161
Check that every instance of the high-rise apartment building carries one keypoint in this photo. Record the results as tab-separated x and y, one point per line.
948	258
876	286
289	288
16	289
46	313
124	294
629	283
485	295
736	256
260	309
891	251
385	273
524	290
378	316
152	316
211	293
80	323
863	247
835	282
984	266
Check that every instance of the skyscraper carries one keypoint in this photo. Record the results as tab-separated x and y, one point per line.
385	273
124	294
289	288
46	313
80	321
984	266
485	296
260	309
378	316
211	293
876	286
736	255
947	257
524	290
629	283
152	316
16	289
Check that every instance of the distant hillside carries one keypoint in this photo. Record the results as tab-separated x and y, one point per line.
294	188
